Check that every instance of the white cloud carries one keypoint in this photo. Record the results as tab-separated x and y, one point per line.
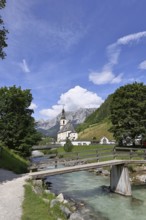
142	65
52	112
131	37
113	52
74	99
33	106
106	75
24	66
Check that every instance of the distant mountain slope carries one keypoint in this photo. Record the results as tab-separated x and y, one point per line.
51	127
101	113
97	124
96	131
98	116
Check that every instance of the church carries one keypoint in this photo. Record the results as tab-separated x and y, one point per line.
66	129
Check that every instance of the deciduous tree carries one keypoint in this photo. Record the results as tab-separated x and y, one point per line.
128	111
17	126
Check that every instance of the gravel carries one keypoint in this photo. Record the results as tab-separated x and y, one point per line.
11	195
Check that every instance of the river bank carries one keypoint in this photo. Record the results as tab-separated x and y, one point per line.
71	209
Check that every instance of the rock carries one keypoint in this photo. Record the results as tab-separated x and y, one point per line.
65	201
105	172
37	153
98	171
81	204
46	200
60	197
141	178
73	208
53	202
47	191
76	216
37	183
85	211
48	184
106	189
66	211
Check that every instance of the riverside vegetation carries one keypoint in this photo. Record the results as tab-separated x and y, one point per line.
11	161
36	204
48	206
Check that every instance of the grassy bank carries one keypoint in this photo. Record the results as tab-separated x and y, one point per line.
11	161
82	148
34	207
96	130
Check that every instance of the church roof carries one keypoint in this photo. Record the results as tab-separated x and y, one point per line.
63	114
67	127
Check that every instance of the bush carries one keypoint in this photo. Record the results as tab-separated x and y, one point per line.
68	146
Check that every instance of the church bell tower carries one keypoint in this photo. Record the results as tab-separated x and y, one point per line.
63	120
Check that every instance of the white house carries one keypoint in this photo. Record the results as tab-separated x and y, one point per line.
104	140
66	129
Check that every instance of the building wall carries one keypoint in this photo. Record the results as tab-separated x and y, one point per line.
76	143
64	135
63	122
73	136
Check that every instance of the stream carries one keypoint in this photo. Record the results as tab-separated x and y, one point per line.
92	190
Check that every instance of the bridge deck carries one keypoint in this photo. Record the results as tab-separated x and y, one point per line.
56	171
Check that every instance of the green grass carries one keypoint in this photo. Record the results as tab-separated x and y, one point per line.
96	130
82	148
34	208
10	161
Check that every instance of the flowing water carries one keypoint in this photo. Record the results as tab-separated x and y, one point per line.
90	188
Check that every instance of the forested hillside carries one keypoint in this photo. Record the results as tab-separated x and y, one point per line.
100	115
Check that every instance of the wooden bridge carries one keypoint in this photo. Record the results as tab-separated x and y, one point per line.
119	175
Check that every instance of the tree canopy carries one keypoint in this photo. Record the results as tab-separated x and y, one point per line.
128	111
17	126
3	32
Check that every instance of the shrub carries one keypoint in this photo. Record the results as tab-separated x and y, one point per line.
68	146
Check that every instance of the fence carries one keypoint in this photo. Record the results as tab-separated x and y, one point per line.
88	156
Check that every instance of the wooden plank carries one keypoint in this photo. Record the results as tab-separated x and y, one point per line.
41	174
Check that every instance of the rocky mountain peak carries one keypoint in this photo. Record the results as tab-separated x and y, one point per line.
76	117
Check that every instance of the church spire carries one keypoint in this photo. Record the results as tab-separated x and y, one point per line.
63	114
63	120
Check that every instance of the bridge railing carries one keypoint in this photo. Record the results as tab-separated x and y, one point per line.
88	156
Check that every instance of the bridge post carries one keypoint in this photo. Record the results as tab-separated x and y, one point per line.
119	180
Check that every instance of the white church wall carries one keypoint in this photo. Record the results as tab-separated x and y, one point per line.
76	143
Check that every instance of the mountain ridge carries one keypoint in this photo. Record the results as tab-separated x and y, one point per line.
51	127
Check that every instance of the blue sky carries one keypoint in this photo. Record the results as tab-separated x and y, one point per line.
73	52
